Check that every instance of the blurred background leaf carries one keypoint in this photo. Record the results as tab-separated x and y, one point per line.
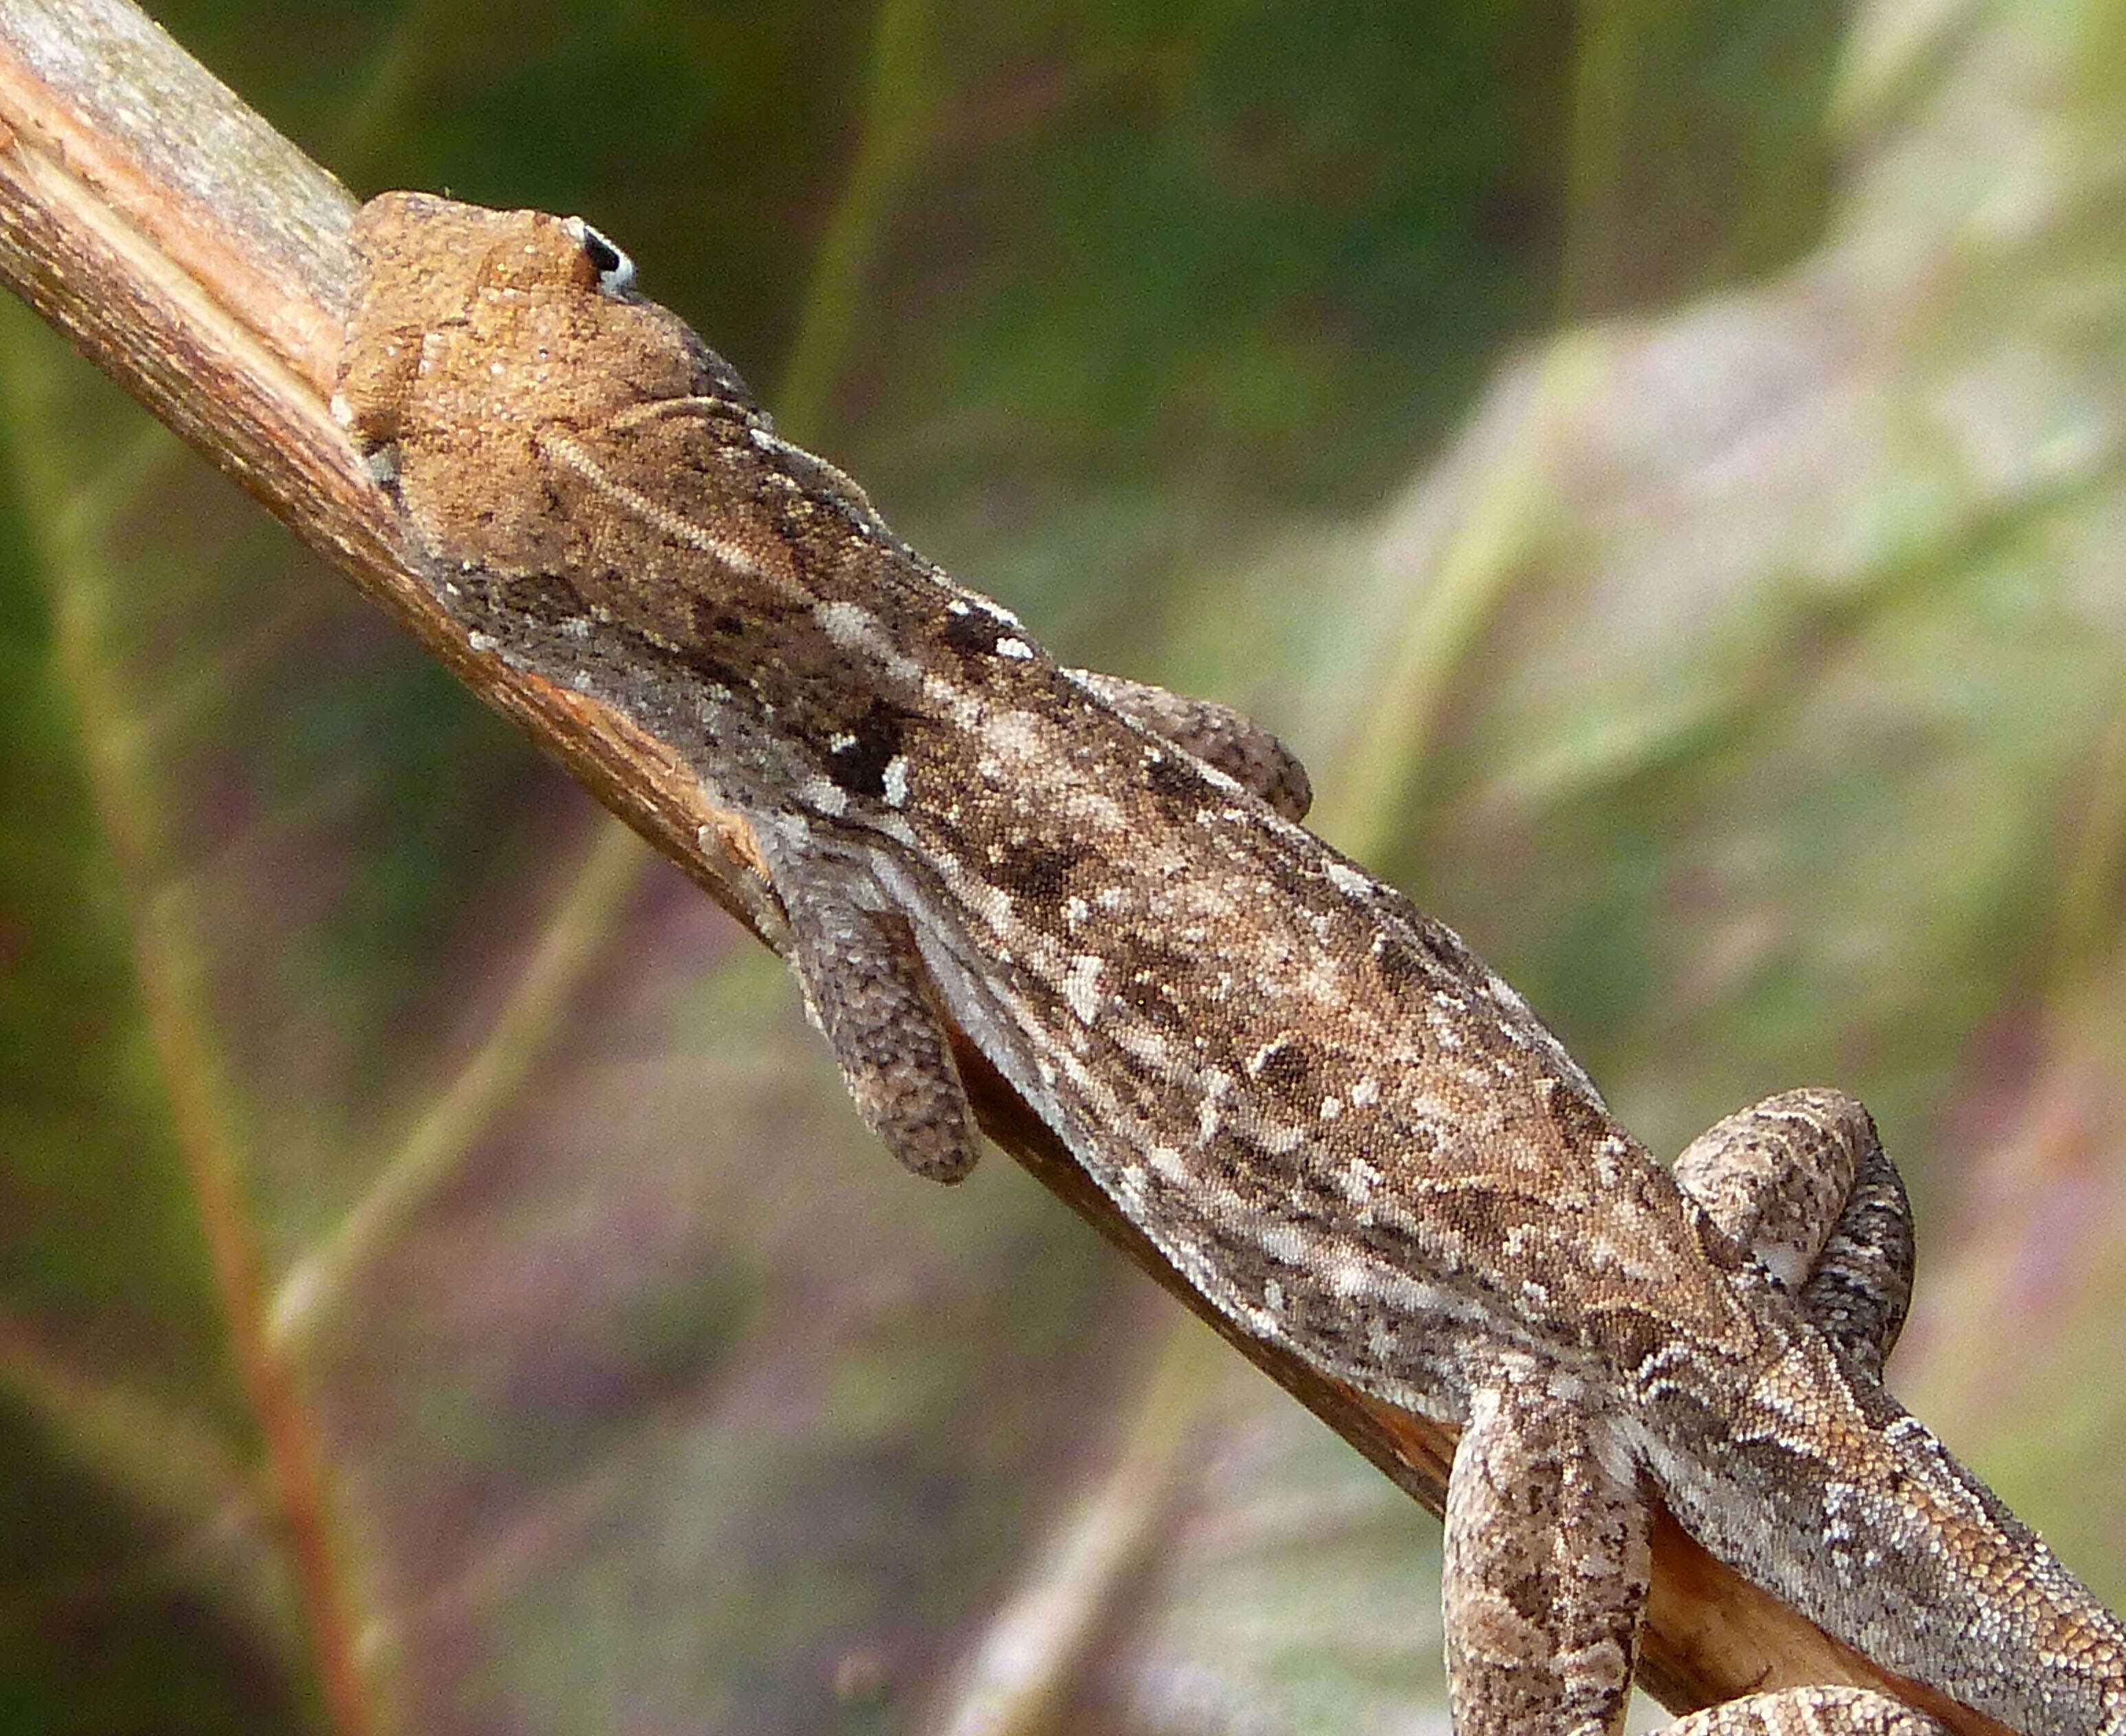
1659	461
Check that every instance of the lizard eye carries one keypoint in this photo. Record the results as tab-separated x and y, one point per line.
616	271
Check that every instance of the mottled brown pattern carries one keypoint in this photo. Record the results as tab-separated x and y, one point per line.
1332	1118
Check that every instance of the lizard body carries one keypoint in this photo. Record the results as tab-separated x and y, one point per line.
1347	1133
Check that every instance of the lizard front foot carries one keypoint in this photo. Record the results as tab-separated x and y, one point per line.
866	989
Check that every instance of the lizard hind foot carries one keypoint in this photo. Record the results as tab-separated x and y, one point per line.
1800	1181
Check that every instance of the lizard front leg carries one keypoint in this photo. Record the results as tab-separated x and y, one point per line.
866	989
866	986
1227	740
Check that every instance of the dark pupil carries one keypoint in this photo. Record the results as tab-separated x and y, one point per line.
602	253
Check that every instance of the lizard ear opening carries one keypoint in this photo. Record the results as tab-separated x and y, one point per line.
616	271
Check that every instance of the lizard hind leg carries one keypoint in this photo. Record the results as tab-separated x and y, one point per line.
1800	1181
868	991
1546	1565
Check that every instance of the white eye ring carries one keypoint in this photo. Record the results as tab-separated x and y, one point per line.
616	271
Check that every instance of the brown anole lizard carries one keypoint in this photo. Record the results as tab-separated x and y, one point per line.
1344	1129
